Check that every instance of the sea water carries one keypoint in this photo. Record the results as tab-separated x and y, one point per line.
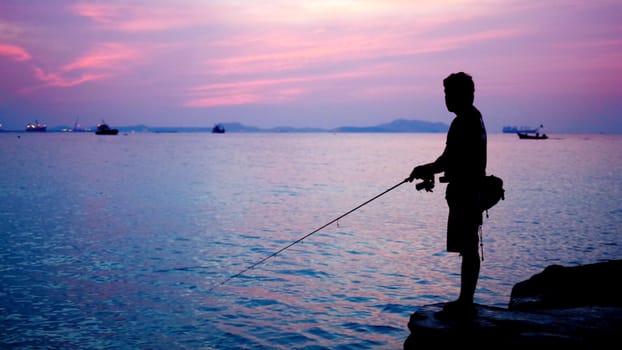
130	241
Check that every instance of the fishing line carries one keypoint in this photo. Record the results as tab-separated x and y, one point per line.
304	237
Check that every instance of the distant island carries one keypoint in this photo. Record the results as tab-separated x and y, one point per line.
396	126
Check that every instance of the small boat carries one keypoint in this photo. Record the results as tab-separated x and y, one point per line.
36	126
104	129
532	135
536	136
218	129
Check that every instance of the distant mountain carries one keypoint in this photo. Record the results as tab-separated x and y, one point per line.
237	127
398	125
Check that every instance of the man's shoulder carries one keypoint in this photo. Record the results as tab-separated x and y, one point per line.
473	111
468	123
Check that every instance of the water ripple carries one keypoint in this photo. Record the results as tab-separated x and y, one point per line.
124	253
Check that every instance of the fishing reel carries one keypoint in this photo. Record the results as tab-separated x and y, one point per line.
426	184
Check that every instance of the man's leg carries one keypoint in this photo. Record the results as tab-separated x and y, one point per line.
469	276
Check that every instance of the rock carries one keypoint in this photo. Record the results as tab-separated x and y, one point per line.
567	307
562	287
491	326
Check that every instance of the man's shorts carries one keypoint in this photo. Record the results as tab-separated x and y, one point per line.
463	221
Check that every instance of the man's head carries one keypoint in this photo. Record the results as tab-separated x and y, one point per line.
459	91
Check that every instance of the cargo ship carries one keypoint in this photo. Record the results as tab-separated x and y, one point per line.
36	126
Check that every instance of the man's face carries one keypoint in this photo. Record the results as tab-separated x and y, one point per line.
451	100
457	100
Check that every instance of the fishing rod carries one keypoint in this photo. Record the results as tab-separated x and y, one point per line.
305	236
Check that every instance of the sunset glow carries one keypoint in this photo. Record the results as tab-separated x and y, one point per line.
309	64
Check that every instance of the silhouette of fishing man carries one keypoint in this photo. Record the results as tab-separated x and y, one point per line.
464	163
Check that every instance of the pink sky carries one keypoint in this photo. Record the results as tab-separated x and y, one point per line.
316	63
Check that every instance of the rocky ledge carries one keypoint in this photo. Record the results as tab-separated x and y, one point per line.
564	307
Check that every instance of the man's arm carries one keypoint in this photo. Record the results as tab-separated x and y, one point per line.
427	171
